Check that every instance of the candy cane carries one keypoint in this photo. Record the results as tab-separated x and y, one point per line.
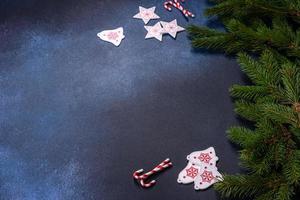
177	5
136	174
163	165
147	185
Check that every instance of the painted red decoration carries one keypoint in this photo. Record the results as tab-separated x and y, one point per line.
205	157
192	172
207	176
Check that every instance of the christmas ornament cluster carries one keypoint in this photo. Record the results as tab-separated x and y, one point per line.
160	28
201	169
157	31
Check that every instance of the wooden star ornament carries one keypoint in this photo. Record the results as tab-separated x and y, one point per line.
171	28
146	14
155	31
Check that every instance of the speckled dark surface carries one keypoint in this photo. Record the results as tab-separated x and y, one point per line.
79	115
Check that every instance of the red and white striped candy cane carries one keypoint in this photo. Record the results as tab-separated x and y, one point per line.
177	5
147	185
163	165
136	174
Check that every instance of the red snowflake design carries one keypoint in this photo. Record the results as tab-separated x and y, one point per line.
192	172
204	157
112	35
207	176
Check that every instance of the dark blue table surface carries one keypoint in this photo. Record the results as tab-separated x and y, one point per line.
78	115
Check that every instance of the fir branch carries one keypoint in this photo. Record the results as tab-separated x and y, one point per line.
243	9
238	186
291	169
248	92
242	136
269	152
285	192
249	111
280	114
243	38
256	162
291	82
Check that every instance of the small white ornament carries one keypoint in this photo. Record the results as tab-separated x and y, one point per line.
146	14
189	173
113	36
155	31
205	157
207	177
171	28
201	169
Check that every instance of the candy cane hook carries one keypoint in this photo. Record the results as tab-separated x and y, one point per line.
177	5
141	178
147	185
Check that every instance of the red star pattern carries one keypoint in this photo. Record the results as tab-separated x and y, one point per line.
192	172
112	35
204	157
207	176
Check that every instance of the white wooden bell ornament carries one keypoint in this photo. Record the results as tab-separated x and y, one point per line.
114	36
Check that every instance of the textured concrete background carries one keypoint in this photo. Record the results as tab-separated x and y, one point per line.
78	115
